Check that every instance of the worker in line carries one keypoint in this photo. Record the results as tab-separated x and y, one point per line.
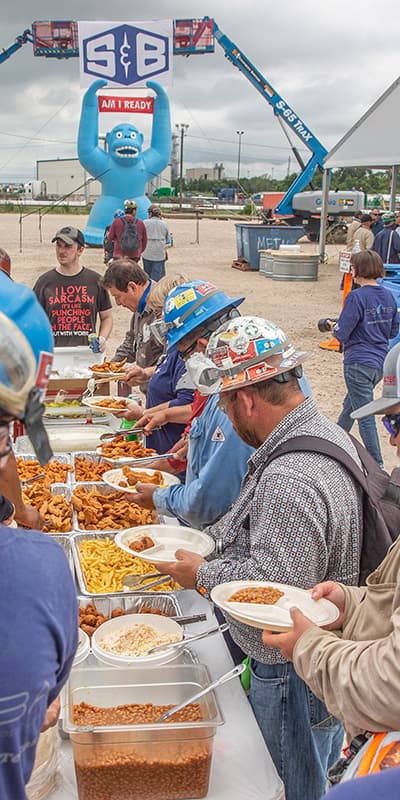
192	312
38	622
297	519
354	666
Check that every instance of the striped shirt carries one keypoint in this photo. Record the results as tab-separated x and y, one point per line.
297	521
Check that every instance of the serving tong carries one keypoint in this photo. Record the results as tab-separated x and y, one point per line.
93	383
233	673
26	481
131	581
136	462
187	640
123	432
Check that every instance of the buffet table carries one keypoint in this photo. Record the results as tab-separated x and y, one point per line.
242	767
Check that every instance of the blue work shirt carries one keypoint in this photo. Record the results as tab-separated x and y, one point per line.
368	320
39	636
382	786
164	387
217	463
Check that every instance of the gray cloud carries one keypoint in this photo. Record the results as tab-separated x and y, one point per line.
329	62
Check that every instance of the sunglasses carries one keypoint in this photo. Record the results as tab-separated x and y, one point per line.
392	423
224	400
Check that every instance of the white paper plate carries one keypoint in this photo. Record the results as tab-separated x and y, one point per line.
115	375
163	624
273	617
113	477
92	403
168	539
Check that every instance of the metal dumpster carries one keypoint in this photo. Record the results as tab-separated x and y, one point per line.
251	238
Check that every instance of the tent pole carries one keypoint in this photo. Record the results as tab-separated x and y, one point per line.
326	179
393	188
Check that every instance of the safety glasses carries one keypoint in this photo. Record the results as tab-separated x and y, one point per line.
392	423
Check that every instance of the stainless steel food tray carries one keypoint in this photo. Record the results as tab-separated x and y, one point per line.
63	458
80	536
64	540
88	455
102	488
132	603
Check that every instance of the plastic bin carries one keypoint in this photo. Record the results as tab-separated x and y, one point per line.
251	238
394	288
154	761
77	359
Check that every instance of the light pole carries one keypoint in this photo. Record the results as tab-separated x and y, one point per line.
182	127
240	134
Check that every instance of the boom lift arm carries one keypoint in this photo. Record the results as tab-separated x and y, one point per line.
284	113
22	39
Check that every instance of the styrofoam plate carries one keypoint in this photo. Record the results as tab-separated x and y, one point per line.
272	617
167	539
113	477
92	403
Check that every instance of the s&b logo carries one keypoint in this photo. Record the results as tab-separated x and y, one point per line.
126	54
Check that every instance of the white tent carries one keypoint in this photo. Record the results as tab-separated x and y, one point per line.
373	142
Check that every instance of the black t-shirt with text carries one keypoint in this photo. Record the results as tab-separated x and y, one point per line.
72	303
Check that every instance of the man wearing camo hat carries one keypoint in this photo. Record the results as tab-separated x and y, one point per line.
387	242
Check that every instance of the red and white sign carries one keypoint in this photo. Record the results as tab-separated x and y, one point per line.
129	105
344	261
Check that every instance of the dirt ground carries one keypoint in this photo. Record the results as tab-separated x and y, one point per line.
295	306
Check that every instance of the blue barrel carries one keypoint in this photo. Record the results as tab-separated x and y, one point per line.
393	284
251	238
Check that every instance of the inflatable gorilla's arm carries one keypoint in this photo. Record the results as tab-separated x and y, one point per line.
91	156
157	156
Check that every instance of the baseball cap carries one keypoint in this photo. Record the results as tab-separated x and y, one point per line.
70	236
130	204
388	217
391	387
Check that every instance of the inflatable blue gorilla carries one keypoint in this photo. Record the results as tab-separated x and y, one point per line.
123	170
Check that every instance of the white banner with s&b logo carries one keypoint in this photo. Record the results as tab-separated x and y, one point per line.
126	53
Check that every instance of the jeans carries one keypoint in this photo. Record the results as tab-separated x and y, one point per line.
303	739
154	269
360	382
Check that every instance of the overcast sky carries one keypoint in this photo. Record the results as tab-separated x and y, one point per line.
329	61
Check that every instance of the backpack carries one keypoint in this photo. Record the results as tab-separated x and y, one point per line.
108	246
381	495
130	240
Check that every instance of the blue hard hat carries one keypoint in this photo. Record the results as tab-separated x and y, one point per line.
26	355
119	213
190	305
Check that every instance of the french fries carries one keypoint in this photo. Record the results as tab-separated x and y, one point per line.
104	565
108	366
97	511
54	472
120	447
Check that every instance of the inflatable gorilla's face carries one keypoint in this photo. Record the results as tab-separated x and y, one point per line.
124	144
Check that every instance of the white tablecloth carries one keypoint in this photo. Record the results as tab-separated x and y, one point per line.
242	767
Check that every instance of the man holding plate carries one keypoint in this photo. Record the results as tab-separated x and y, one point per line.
297	521
357	673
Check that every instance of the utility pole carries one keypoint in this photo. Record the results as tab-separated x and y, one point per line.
182	127
240	134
